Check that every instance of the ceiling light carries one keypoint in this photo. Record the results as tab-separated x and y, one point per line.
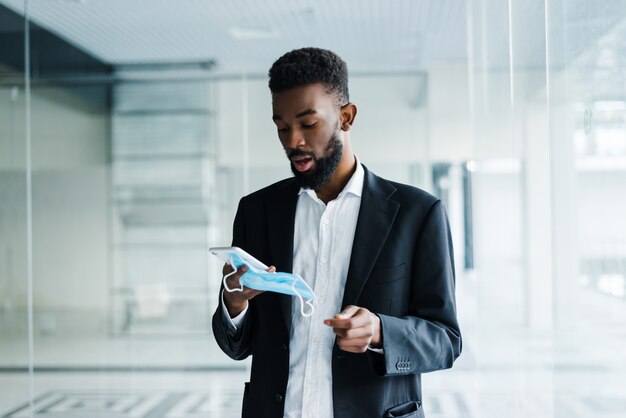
249	33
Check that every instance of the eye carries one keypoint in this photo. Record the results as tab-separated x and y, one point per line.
282	129
309	125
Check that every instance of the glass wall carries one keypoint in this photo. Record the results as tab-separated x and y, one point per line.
547	102
14	241
587	127
124	153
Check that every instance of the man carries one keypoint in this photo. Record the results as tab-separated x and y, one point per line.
377	254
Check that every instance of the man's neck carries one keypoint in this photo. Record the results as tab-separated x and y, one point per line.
338	181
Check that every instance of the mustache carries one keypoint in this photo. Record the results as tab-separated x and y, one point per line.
299	152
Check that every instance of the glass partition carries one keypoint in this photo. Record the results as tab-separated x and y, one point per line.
546	98
587	113
15	360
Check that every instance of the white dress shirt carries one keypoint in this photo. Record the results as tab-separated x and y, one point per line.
323	237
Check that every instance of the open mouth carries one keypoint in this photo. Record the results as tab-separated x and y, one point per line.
302	163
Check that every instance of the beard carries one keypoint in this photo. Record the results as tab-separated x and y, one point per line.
324	166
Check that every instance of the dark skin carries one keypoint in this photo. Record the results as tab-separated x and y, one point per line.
306	118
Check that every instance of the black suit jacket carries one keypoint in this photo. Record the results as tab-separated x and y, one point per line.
401	268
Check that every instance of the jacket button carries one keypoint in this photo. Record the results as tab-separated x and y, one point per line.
279	397
403	365
285	346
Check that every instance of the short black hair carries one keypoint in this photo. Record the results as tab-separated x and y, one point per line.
304	66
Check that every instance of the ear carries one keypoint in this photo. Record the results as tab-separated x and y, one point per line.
347	115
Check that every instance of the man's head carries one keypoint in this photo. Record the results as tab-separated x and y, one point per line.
305	66
312	113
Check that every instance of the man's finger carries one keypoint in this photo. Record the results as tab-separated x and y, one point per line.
348	312
229	269
352	342
357	321
353	346
348	323
342	319
250	293
353	332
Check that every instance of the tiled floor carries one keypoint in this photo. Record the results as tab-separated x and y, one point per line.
138	404
218	394
121	394
180	404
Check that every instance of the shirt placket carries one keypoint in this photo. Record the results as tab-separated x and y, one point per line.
315	351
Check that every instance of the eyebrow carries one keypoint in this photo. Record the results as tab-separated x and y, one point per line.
299	115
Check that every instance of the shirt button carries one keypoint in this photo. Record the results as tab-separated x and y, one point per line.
324	259
279	397
326	221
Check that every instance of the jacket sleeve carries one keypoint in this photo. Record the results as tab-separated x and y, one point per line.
234	342
428	338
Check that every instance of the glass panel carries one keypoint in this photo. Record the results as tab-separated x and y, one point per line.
587	107
497	331
14	320
546	97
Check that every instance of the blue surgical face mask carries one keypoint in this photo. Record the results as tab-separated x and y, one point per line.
287	283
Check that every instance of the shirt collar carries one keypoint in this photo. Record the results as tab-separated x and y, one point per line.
354	185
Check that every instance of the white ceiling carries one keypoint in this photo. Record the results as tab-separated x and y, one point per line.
248	35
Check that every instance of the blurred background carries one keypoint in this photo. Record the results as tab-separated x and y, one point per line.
130	129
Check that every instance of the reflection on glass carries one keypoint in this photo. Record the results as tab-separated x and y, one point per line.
588	98
162	183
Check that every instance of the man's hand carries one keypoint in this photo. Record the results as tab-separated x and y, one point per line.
236	302
356	328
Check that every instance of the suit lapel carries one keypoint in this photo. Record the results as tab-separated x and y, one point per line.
374	222
281	215
376	216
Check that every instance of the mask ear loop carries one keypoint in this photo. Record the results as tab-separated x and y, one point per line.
234	289
302	301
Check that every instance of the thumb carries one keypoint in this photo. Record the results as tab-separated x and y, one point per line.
347	312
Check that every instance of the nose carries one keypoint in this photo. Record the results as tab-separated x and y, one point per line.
293	139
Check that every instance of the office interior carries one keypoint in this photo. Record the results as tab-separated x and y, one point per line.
130	130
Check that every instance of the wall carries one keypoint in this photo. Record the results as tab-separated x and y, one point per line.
69	160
